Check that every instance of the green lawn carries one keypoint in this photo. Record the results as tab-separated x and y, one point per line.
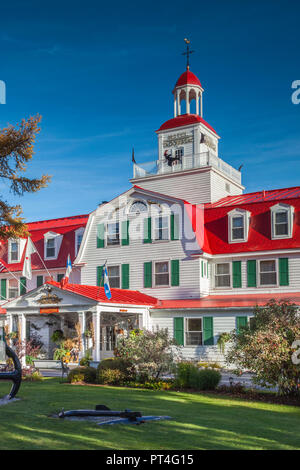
199	421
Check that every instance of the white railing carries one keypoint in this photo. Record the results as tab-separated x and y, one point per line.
198	160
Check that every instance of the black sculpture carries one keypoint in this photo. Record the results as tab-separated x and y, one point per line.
14	376
170	159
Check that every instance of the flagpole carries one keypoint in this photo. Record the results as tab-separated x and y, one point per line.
41	260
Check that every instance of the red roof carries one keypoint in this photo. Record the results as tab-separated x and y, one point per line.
188	78
185	120
65	226
259	236
118	296
228	301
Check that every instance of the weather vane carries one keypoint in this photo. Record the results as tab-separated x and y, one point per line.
187	53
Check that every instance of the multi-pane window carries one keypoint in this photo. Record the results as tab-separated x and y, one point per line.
162	274
193	331
237	227
113	234
161	228
50	248
179	153
267	273
79	237
13	289
14	251
114	276
281	223
222	275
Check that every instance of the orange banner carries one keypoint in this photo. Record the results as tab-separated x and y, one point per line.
49	310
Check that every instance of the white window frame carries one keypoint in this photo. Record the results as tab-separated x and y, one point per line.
120	274
137	212
10	242
276	270
230	274
154	274
290	219
106	234
162	215
17	288
79	232
186	331
246	221
57	244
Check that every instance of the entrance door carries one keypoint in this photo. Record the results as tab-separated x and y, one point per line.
112	327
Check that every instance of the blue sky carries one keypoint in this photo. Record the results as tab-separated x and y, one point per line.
101	76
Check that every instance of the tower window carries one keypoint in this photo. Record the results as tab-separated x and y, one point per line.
179	153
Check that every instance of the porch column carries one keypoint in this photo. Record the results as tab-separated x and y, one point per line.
23	338
82	321
10	322
96	323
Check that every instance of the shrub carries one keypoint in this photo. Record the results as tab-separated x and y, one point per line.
110	377
236	388
106	371
267	347
31	375
153	385
82	374
206	379
85	361
189	376
184	371
150	353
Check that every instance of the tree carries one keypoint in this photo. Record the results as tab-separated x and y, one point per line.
266	348
150	353
16	150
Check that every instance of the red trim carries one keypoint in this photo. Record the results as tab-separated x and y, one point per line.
228	301
185	120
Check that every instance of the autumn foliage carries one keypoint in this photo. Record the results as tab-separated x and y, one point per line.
16	150
266	348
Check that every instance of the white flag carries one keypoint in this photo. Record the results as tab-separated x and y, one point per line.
30	249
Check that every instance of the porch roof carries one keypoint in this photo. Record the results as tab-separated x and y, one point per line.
118	296
228	301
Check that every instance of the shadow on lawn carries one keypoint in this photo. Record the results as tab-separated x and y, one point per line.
199	421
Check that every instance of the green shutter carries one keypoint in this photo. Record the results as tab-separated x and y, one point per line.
60	277
251	273
174	227
147	230
22	285
284	271
39	281
125	276
241	322
236	274
148	274
125	232
179	330
202	268
175	272
100	236
3	289
99	275
208	331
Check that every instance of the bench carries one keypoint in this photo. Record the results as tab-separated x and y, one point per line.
46	364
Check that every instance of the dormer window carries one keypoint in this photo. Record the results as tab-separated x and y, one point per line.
14	251
78	239
52	243
137	207
282	221
50	248
238	226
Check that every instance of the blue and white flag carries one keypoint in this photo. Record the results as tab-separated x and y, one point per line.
106	282
69	268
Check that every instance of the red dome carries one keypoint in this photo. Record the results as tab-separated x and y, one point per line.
185	120
188	78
